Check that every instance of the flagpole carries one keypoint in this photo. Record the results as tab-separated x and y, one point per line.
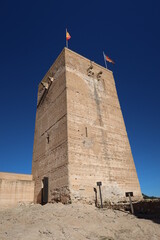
66	39
105	60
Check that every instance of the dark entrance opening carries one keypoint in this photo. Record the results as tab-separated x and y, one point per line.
45	191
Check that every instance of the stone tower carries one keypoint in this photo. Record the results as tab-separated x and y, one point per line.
80	135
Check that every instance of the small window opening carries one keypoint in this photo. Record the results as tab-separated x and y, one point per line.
86	131
47	138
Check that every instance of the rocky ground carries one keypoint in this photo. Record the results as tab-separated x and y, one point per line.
74	222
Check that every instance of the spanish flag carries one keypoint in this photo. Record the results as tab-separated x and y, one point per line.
68	36
109	59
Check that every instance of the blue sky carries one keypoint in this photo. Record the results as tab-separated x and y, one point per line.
32	36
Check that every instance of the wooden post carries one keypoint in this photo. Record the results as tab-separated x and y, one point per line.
130	194
99	185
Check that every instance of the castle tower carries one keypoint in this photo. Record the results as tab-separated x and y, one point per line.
80	135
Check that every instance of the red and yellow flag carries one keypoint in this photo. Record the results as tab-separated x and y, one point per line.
109	60
68	36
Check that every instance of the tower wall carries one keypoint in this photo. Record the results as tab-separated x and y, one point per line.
50	141
80	135
98	145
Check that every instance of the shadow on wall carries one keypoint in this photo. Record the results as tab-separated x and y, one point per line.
39	197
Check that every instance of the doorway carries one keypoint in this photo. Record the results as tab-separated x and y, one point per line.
44	198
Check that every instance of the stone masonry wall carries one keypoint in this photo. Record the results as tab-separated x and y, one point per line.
50	140
80	135
15	188
98	146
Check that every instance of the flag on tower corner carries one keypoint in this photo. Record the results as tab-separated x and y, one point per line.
109	59
67	35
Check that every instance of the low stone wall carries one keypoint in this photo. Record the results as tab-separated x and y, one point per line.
146	208
15	188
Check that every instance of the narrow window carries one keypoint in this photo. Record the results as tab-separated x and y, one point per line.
47	138
86	131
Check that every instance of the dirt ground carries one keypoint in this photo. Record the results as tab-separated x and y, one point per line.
74	222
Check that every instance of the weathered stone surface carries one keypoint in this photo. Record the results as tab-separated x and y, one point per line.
15	188
50	155
80	135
